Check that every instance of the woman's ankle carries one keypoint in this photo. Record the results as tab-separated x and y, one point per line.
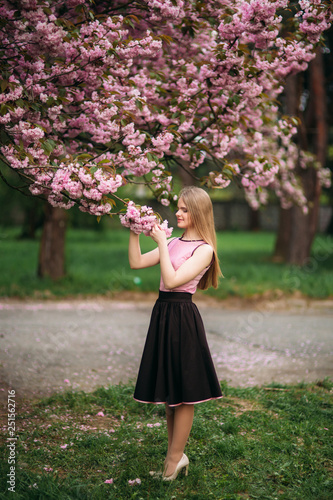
174	457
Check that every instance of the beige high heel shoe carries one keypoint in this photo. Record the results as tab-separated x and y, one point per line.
182	464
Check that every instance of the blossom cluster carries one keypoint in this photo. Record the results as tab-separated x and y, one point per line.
315	18
142	220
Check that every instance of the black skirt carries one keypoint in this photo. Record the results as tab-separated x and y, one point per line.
176	365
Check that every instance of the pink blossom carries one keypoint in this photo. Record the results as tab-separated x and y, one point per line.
142	220
31	134
219	181
132	482
163	141
109	481
5	118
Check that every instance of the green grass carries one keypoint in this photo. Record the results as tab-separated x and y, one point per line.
272	442
96	263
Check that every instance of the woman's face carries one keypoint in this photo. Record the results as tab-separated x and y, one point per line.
183	217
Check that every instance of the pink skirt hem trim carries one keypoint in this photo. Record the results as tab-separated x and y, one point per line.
178	404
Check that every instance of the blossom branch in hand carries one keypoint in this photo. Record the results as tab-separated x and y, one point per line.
142	220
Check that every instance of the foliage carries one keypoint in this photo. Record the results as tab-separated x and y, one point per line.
97	264
97	95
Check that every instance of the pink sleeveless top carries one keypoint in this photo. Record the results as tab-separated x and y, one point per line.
179	251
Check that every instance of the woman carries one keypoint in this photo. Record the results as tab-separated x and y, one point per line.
176	367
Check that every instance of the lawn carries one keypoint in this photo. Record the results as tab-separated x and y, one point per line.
96	263
272	442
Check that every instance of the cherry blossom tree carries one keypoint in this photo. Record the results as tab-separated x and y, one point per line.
305	97
97	96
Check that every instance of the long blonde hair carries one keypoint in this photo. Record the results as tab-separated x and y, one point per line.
200	208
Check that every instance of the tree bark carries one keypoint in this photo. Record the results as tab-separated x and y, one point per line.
185	174
283	236
296	228
254	220
282	242
33	214
51	261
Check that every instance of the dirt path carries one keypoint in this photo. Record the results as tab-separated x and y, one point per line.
54	345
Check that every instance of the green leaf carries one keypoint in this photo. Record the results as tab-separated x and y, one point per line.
136	19
3	109
84	156
139	104
64	99
166	38
48	148
21	103
156	158
129	21
4	85
101	162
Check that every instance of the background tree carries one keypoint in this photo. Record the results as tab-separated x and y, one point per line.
297	227
328	64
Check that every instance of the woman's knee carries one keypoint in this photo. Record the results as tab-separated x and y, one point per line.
169	410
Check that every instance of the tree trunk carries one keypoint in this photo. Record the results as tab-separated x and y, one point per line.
282	243
254	219
283	236
297	229
33	214
186	174
51	261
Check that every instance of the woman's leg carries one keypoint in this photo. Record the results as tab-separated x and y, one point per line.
170	415
180	428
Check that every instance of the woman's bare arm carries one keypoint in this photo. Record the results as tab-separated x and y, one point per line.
138	260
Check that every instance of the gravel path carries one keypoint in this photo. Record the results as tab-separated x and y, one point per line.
50	346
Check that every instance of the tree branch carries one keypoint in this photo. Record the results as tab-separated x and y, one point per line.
196	134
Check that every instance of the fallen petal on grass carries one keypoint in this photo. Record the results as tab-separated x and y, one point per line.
132	482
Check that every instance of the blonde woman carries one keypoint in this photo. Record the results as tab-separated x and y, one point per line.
176	367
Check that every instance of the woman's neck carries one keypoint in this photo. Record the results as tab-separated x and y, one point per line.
191	234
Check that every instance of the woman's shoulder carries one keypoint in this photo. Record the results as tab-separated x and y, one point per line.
204	249
172	239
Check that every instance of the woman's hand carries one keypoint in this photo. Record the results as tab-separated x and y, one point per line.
158	234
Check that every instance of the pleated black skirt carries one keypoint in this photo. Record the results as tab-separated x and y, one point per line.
176	365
